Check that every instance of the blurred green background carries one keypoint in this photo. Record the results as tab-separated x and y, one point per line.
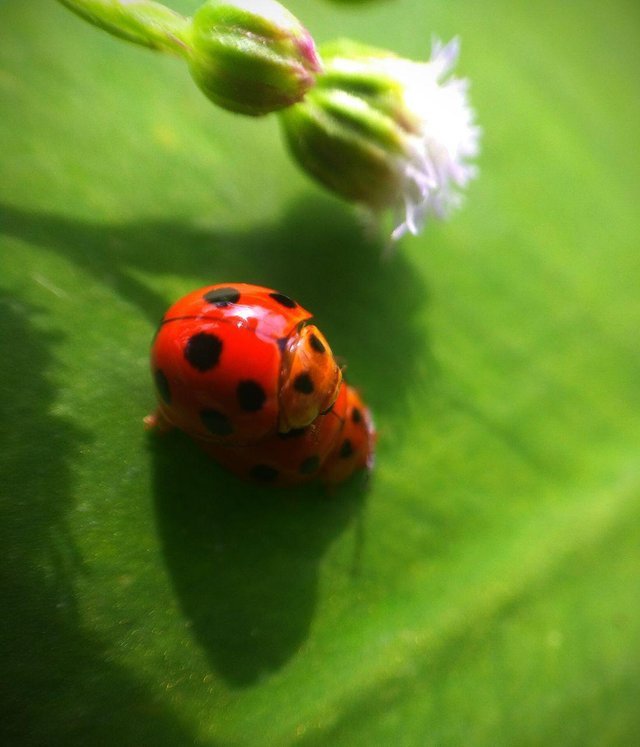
485	589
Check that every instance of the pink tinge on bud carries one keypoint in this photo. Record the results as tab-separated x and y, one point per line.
307	49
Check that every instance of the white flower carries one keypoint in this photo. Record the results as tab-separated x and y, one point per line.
438	163
388	132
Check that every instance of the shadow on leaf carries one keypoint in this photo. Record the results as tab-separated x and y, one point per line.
61	684
244	560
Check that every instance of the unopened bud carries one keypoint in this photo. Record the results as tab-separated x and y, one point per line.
251	56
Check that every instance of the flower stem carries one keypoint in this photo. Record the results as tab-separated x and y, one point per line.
142	22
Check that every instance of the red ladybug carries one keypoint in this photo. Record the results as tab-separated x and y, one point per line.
239	368
236	363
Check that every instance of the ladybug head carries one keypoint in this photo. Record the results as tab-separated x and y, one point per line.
309	380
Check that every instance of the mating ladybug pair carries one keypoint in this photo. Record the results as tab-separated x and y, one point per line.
240	370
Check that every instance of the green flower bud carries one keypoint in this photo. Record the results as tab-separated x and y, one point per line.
251	56
248	56
386	132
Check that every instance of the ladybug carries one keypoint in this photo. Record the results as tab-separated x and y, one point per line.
236	363
241	370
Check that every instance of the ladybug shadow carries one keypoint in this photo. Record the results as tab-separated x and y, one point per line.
371	308
245	560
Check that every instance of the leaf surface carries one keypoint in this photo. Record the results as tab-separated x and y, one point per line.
484	589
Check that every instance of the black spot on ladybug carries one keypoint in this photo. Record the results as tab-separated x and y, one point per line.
293	433
346	450
310	465
264	473
203	351
316	344
303	383
222	297
356	415
283	300
215	422
162	385
251	395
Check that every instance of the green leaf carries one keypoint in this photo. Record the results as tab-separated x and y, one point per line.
484	590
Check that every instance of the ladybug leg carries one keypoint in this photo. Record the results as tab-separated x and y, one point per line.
157	421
